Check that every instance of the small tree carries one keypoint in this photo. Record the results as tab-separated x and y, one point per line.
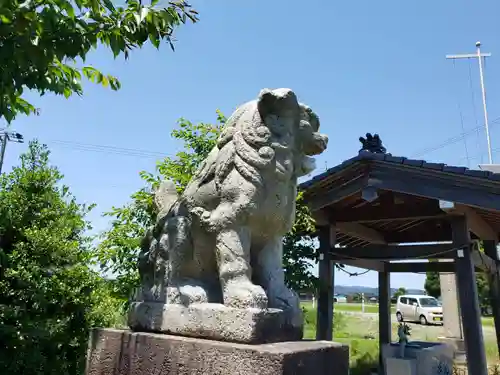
49	296
432	285
299	250
400	292
41	41
121	244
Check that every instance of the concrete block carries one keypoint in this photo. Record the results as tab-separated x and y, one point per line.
120	352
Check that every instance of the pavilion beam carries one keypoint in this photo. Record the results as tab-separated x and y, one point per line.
420	267
324	328
441	267
490	248
468	299
394	252
394	212
317	202
362	232
402	180
475	222
321	217
366	264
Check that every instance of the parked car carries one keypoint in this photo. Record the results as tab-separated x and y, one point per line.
419	308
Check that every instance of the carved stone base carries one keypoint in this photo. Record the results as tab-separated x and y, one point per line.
212	321
113	352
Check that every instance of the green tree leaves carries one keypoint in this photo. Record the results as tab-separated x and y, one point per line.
400	292
299	250
119	249
49	296
432	285
44	43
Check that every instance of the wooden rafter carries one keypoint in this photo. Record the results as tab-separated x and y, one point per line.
394	252
362	232
476	223
393	212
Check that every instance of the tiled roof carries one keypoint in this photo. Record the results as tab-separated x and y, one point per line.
440	167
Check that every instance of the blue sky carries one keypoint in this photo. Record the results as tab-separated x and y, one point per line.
363	66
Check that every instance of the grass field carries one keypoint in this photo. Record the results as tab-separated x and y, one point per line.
373	309
361	333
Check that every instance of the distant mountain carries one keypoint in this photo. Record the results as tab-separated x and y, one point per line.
348	290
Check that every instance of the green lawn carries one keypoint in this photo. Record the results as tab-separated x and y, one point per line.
373	308
361	334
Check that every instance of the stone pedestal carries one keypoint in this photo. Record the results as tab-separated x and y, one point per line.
452	321
117	352
213	321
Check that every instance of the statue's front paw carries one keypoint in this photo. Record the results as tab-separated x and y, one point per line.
244	294
187	293
203	216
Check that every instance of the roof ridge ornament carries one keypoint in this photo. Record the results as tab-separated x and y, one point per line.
372	143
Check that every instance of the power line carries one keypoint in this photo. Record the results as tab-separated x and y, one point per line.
481	154
107	149
136	152
462	120
473	100
479	56
453	140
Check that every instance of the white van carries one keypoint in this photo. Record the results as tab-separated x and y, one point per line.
419	308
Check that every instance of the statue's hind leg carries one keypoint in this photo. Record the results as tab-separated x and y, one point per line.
233	259
183	280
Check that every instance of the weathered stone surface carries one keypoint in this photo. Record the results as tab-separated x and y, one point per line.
451	310
221	240
114	352
211	321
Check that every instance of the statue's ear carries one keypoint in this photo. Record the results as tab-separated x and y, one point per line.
276	101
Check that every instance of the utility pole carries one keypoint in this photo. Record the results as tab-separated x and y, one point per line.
479	56
5	137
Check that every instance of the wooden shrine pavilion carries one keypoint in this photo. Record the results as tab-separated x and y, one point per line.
375	209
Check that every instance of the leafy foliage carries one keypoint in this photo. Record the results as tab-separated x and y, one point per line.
299	250
433	287
432	284
401	291
49	296
41	41
120	247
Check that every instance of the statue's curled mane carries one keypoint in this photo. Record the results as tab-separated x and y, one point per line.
244	144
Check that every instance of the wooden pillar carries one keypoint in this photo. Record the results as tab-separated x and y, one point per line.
324	326
384	312
468	299
490	249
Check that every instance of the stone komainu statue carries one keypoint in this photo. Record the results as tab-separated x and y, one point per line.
220	241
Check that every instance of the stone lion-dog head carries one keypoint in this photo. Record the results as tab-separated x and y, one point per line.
264	147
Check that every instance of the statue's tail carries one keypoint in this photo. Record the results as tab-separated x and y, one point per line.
165	197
